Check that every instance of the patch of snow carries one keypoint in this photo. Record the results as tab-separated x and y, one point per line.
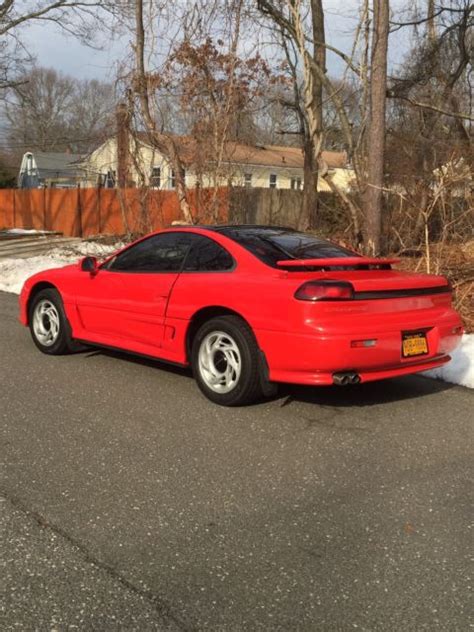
25	231
461	368
92	248
15	271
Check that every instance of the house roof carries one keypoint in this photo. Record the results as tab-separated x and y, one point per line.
260	155
56	163
278	156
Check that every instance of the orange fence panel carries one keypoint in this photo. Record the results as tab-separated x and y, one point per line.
7	208
86	212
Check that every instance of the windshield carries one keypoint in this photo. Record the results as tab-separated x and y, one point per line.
274	244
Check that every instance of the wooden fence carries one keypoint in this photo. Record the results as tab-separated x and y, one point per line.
84	212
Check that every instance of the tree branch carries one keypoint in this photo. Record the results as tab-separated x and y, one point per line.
400	25
338	52
428	106
33	15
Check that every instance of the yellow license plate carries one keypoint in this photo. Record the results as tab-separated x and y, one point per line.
414	344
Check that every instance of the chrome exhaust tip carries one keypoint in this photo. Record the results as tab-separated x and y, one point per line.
341	379
345	378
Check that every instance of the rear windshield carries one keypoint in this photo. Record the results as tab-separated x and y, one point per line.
272	245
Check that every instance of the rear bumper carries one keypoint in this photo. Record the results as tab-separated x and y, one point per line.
320	378
313	359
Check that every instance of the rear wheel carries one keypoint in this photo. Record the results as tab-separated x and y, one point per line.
49	326
225	361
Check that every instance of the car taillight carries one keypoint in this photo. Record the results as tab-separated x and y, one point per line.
325	291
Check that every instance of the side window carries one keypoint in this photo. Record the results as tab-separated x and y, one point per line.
160	253
155	177
206	256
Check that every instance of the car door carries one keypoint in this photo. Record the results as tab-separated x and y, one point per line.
203	282
124	304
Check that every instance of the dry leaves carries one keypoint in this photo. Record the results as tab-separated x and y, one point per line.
455	261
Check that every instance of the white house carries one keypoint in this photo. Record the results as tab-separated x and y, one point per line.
267	166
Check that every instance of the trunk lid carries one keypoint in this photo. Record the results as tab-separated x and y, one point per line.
382	282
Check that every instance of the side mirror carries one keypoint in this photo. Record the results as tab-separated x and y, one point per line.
89	264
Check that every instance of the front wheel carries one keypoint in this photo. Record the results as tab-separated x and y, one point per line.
225	361
49	326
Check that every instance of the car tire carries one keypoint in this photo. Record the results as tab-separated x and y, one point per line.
225	361
49	326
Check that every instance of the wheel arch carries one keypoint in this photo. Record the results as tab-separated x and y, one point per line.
38	287
204	314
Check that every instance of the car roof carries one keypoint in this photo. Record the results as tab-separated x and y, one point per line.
242	227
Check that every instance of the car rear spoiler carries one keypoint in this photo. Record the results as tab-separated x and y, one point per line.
336	261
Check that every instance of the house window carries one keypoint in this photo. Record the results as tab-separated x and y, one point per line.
273	181
155	178
110	178
295	183
172	178
248	180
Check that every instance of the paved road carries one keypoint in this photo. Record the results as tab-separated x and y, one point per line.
131	503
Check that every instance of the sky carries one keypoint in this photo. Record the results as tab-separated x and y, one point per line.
53	48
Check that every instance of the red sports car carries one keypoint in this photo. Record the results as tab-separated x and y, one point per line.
246	307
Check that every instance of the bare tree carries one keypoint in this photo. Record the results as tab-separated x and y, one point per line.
91	113
38	110
144	86
8	171
438	75
430	121
376	139
15	13
307	40
217	89
200	69
50	111
304	55
78	18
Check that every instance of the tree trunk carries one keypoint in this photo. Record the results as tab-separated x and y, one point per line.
431	25
122	119
313	104
376	140
163	142
180	184
308	215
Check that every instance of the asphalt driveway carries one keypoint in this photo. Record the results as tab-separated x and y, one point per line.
132	503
